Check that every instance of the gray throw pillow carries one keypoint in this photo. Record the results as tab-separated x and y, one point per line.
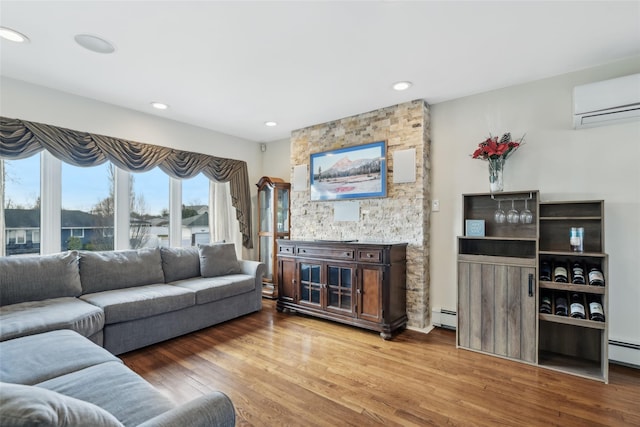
218	260
109	270
38	278
180	263
23	405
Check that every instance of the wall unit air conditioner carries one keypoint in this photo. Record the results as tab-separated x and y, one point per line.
606	102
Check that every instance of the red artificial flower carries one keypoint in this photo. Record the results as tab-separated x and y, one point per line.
495	148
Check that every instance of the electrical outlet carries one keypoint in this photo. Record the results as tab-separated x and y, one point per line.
435	205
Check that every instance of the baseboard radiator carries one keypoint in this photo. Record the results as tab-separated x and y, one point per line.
620	352
443	318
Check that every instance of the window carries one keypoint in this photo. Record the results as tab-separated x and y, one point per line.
21	237
149	209
87	207
77	232
21	203
195	211
78	209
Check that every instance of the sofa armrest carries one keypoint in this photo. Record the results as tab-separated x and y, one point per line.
253	268
257	270
213	409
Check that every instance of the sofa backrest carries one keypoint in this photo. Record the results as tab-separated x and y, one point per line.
180	263
109	270
36	278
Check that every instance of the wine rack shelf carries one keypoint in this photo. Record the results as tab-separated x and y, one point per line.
600	290
498	281
571	321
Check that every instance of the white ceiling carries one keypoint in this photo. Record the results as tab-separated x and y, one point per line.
231	66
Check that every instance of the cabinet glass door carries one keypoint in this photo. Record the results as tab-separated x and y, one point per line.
310	284
340	288
266	256
283	210
266	212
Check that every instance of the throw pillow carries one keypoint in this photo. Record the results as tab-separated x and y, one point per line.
218	260
23	405
109	270
180	263
38	278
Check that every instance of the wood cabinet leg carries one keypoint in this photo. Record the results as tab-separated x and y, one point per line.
386	335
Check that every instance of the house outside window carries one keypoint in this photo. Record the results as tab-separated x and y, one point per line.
21	205
195	211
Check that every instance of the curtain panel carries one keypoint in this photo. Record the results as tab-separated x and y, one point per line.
20	139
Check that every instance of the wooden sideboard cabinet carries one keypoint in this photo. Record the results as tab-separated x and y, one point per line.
357	283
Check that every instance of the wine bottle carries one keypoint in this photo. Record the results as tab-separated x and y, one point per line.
545	271
545	302
560	273
577	306
596	278
561	304
596	312
577	274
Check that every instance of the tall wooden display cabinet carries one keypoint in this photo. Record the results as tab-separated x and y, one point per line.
273	223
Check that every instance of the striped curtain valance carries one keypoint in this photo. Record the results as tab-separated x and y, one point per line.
20	139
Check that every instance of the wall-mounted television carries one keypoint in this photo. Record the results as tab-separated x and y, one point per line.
349	173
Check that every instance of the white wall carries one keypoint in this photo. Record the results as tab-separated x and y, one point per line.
25	101
275	161
563	163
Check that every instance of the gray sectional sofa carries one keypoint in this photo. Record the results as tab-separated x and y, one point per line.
60	378
120	300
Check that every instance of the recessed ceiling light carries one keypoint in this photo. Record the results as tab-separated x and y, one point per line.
94	43
270	124
399	86
159	105
13	35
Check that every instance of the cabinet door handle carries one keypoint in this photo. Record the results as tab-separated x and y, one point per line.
530	285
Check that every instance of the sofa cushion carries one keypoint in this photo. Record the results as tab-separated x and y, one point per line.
39	277
107	270
218	259
34	317
209	289
36	358
180	263
142	301
115	388
23	405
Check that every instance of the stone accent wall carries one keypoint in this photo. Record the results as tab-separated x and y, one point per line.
401	216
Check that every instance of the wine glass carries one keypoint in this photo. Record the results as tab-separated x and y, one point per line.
499	215
526	216
513	216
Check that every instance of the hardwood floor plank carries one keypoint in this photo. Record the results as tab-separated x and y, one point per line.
283	369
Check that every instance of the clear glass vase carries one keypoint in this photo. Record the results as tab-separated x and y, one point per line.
496	167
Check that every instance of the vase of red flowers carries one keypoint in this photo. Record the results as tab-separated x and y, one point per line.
495	151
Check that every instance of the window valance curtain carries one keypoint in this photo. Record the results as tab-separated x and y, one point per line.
20	139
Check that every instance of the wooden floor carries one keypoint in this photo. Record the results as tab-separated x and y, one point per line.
290	370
